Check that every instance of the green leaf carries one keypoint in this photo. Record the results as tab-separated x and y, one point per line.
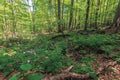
93	75
26	67
1	67
35	77
14	78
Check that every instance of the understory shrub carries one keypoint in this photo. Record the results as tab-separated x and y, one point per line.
92	40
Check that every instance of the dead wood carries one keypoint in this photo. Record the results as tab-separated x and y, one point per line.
58	36
103	69
66	75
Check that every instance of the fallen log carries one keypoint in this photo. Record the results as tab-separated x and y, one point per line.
60	35
66	75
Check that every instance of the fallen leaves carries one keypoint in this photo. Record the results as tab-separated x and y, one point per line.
2	77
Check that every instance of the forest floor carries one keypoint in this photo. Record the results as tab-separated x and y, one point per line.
111	72
108	70
61	57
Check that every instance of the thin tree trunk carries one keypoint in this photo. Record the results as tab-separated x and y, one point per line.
96	14
33	17
76	18
13	18
87	14
71	15
79	21
106	13
63	24
4	21
59	17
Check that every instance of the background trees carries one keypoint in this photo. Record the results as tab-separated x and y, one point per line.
32	16
27	53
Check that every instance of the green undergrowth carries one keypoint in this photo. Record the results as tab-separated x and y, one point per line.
42	55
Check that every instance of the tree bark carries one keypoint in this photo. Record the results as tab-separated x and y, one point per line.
63	23
115	27
13	18
59	17
96	14
33	17
87	14
71	15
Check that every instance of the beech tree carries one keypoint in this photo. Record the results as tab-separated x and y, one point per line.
59	16
29	16
71	15
115	27
87	14
96	14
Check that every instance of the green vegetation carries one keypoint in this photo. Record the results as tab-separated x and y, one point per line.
49	56
59	39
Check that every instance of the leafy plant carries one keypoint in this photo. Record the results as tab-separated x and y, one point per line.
53	63
93	75
82	69
87	60
93	40
14	78
85	69
26	67
35	77
118	61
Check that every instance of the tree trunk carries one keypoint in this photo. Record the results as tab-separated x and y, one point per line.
4	21
71	15
33	17
87	14
59	17
116	22
63	23
13	18
96	14
76	18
